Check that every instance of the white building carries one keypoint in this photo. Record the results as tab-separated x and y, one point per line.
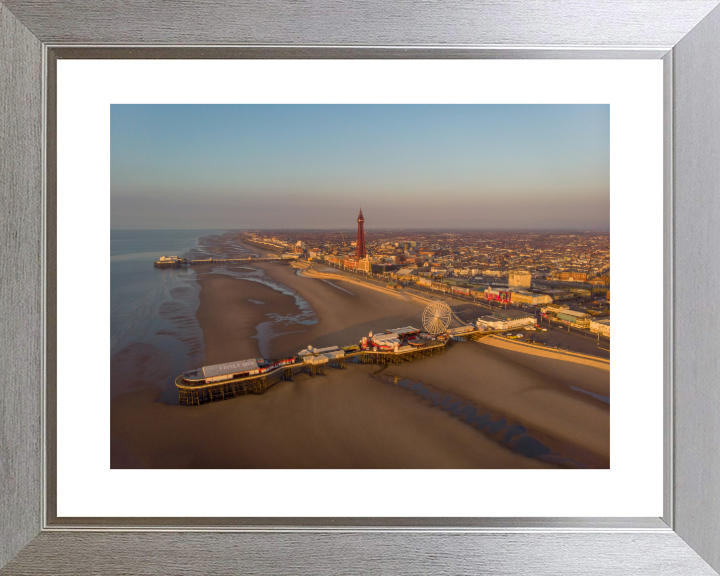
364	265
493	272
405	273
491	322
574	318
601	326
522	297
554	308
519	279
505	320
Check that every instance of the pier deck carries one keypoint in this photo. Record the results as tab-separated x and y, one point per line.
203	393
192	394
214	261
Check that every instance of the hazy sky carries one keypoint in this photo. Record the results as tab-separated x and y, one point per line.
408	166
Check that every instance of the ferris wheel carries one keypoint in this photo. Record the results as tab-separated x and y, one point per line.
436	317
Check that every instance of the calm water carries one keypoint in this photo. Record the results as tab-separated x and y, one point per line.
156	307
147	305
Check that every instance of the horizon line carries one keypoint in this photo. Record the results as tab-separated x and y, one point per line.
383	229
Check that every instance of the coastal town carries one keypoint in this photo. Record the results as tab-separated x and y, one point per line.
558	278
563	278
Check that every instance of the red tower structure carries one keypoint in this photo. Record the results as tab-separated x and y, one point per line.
360	244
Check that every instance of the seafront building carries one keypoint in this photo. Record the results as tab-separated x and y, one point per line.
601	327
506	319
524	297
170	262
523	269
519	279
526	261
573	318
364	265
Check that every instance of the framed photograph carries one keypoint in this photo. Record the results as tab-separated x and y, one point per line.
358	291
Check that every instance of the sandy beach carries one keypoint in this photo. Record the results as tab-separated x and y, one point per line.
359	417
345	311
534	391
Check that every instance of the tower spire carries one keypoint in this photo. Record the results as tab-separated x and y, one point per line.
360	244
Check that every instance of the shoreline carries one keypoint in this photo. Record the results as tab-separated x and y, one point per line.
344	316
307	273
404	294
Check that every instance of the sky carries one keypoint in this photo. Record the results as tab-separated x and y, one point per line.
477	166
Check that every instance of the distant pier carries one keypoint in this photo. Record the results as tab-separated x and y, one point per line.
177	262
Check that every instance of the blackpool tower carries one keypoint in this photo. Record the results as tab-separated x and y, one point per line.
360	245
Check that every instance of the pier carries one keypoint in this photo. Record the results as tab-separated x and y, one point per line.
195	394
175	262
190	394
385	358
234	260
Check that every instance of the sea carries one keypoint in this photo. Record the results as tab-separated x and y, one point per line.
154	334
153	306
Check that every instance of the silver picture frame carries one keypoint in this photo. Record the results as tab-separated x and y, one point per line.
685	34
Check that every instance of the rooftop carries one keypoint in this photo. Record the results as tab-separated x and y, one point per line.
512	314
230	367
574	313
403	330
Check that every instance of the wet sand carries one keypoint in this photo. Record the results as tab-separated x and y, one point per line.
351	418
346	311
531	390
229	312
347	419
